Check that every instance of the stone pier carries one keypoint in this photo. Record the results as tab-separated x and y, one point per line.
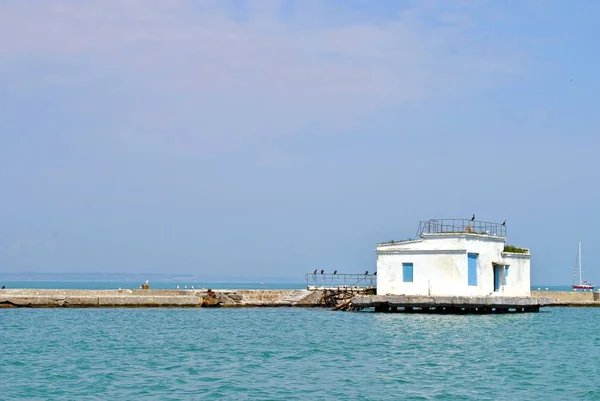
46	298
448	304
570	298
140	298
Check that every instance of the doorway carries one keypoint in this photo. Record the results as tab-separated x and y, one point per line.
497	277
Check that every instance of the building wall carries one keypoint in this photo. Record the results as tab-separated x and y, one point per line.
426	277
518	281
440	266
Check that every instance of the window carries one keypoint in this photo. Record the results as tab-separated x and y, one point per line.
472	269
407	272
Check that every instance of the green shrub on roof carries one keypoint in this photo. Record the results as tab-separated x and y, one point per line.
514	249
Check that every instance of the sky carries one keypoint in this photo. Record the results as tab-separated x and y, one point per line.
272	137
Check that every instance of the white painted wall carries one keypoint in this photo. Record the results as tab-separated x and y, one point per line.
426	277
518	282
440	266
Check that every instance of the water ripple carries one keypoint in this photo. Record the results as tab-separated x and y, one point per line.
297	354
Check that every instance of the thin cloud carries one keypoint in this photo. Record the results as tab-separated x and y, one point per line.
194	64
212	50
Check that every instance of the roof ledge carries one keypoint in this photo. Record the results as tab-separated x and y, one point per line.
464	235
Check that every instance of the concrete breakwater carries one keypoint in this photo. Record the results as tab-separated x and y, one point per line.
570	298
47	298
44	298
449	304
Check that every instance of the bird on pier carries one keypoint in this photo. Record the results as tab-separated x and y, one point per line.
473	218
335	272
322	271
315	272
367	272
375	273
504	223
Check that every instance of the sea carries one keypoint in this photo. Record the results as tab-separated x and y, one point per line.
251	285
295	354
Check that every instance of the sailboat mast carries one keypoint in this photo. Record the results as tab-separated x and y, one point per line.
579	256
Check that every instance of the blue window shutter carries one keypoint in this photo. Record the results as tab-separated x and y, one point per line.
407	272
472	269
506	271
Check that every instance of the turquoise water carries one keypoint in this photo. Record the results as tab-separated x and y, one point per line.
111	285
297	354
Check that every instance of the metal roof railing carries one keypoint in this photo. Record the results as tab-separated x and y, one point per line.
469	226
334	280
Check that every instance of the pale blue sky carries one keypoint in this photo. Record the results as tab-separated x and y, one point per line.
270	138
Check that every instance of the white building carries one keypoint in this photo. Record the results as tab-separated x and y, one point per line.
454	257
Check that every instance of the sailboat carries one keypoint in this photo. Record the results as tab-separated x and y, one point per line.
583	285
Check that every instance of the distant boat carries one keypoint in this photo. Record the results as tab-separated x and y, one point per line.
583	285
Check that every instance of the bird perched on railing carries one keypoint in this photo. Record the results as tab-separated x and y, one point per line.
367	272
375	273
504	223
473	218
322	271
315	272
335	272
